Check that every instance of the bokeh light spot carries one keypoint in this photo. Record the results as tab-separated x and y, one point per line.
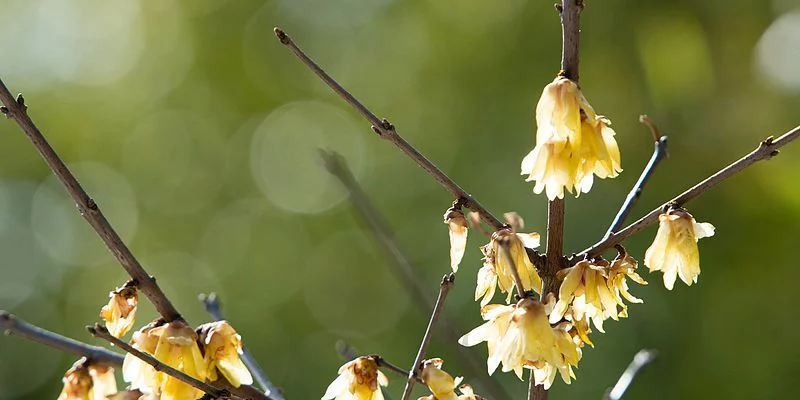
777	54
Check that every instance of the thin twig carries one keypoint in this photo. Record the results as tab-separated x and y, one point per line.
12	325
659	153
16	109
766	150
642	358
392	367
387	131
214	308
413	372
101	332
504	247
374	220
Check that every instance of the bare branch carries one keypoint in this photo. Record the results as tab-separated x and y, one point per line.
214	308
386	130
766	150
336	165
413	373
16	109
14	326
101	332
642	358
659	152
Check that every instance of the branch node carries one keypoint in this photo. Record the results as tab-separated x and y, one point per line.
559	8
21	101
774	153
282	36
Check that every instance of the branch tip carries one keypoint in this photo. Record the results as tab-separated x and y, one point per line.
282	36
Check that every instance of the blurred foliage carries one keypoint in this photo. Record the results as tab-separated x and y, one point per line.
197	133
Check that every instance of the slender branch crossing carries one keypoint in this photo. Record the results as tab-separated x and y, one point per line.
766	150
413	373
14	326
387	131
642	358
659	153
16	109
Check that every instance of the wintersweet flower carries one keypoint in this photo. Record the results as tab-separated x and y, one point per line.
585	288
441	384
621	268
177	347
497	266
467	393
357	380
457	227
222	348
141	375
85	381
517	336
674	250
120	312
572	143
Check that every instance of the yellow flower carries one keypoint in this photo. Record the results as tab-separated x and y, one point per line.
85	381
517	336
441	384
674	250
120	312
621	268
497	268
357	380
139	374
222	347
572	143
177	347
585	288
457	226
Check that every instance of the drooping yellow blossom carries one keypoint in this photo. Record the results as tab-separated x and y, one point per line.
497	267
141	375
120	312
222	350
86	381
357	380
174	344
572	143
441	384
674	250
457	226
621	268
517	336
585	288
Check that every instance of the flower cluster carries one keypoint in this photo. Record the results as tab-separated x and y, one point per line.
498	267
573	144
88	381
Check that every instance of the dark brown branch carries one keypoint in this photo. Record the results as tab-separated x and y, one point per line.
659	152
101	332
413	373
387	131
391	367
16	109
642	358
766	150
214	308
336	165
14	326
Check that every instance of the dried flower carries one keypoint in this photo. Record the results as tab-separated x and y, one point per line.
441	384
120	312
457	225
572	143
497	268
357	380
467	393
585	288
674	250
222	351
85	381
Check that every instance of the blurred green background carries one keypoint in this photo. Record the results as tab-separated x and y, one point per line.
197	132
